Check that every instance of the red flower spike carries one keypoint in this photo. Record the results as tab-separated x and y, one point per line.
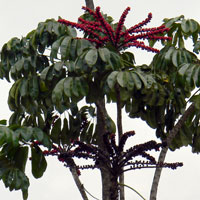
146	21
120	25
105	25
100	32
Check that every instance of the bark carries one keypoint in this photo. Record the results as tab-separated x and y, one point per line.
89	4
120	133
172	134
75	176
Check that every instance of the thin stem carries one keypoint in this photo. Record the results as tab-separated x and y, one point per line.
91	195
133	190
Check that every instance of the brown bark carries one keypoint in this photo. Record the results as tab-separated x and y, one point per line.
101	130
89	4
172	134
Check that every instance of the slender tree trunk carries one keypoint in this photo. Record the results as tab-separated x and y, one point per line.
101	130
75	176
120	133
172	134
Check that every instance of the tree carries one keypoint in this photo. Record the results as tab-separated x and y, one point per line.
49	86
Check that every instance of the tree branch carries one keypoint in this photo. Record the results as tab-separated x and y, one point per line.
172	134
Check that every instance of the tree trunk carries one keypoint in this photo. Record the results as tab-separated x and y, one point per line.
172	134
89	4
101	130
157	174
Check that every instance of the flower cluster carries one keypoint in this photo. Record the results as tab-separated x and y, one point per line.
114	158
100	32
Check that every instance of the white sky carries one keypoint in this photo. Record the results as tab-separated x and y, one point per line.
17	18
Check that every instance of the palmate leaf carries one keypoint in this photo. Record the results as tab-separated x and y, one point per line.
170	58
190	73
180	30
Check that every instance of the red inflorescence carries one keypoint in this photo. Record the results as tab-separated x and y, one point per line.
101	32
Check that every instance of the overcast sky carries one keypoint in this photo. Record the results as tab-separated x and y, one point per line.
17	18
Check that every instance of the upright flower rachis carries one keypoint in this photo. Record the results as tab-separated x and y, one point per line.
101	32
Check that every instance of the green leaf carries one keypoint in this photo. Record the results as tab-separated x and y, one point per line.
8	133
183	69
115	61
56	131
72	31
185	26
142	78
58	66
136	81
111	80
197	47
25	132
196	75
196	100
65	135
55	47
39	163
173	20
73	49
82	45
24	87
19	65
33	87
65	47
38	134
68	86
58	91
91	57
104	54
20	158
194	26
44	73
84	88
76	86
122	78
3	122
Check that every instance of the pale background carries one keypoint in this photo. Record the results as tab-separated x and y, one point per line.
19	17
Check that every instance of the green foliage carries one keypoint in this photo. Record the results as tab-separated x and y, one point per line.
53	71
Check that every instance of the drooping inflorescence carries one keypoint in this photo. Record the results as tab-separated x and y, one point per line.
100	32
